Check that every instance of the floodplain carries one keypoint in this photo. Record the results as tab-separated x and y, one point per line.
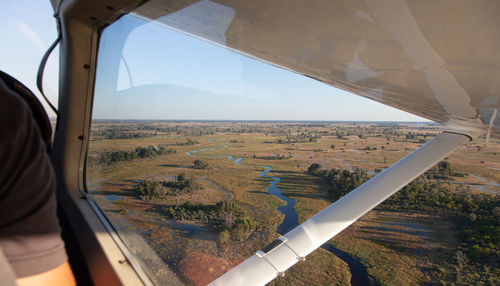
192	199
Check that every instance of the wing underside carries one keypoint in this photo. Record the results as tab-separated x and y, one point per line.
438	60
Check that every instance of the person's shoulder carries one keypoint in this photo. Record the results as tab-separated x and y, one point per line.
14	111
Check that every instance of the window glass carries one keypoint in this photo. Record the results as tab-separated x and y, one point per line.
28	29
200	156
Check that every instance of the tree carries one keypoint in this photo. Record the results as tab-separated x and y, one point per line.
444	168
191	185
148	190
314	168
198	164
496	211
181	178
224	237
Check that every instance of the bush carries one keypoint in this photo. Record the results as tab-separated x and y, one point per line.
110	158
149	190
224	216
200	165
340	181
314	168
224	236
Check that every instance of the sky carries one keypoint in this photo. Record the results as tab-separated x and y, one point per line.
146	71
28	29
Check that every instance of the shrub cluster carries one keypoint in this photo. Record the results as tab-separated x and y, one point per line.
149	190
340	181
271	157
189	142
227	217
200	165
110	158
123	134
477	216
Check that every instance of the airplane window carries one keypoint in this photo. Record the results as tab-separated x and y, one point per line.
200	156
25	41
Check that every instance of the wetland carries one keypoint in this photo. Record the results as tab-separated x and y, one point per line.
193	199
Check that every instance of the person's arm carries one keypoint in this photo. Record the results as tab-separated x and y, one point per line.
59	276
29	229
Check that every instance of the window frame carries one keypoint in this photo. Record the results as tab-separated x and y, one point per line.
81	24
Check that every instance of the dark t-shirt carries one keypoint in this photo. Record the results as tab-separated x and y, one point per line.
29	229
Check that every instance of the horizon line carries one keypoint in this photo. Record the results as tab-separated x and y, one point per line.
264	120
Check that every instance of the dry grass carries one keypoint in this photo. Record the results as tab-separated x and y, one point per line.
394	254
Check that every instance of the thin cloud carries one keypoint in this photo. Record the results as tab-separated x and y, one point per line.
31	35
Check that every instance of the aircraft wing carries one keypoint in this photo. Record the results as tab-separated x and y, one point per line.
437	59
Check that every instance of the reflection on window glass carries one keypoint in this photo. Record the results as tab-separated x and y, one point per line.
199	157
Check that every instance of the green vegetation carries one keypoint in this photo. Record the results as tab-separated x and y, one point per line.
149	190
457	241
110	158
340	181
271	157
122	132
227	217
300	138
199	164
477	217
188	142
113	134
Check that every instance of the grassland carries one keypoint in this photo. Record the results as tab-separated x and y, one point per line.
397	248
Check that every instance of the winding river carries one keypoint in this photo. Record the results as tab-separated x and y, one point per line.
291	219
359	275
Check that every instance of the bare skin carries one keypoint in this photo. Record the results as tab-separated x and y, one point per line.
59	276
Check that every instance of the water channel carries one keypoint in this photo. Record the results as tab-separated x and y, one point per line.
359	275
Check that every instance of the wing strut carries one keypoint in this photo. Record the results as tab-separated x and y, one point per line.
280	255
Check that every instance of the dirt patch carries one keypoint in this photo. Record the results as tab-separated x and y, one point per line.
201	269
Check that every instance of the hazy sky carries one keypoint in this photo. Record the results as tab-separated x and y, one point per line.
174	76
28	29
